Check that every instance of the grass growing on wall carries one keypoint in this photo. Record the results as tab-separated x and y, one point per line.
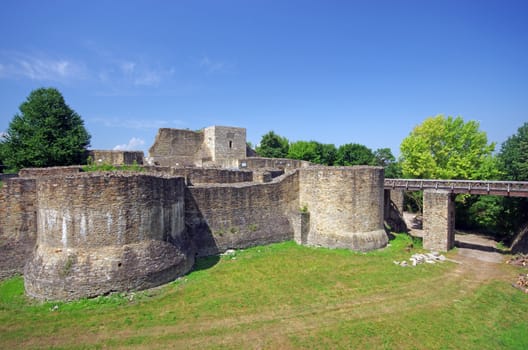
283	296
92	166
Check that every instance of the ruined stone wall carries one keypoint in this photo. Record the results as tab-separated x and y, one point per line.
273	163
116	157
220	217
176	147
104	232
18	224
195	175
345	206
52	171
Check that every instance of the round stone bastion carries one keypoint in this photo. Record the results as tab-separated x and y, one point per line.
345	205
99	233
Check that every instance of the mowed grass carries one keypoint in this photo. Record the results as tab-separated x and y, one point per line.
284	296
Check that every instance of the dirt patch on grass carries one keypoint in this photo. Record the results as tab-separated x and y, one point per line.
477	255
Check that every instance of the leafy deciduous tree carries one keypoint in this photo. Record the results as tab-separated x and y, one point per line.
513	156
447	148
513	159
305	150
46	132
386	159
313	151
328	154
355	154
273	146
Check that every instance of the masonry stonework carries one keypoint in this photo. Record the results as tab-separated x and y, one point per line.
95	233
345	206
221	217
99	233
195	175
176	147
227	145
220	146
273	163
116	157
18	224
438	220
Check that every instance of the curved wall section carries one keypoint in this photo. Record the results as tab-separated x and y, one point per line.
345	206
98	233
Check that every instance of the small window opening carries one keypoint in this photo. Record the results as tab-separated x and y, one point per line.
230	144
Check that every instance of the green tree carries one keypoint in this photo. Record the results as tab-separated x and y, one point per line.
513	159
273	146
386	159
513	156
313	151
46	132
305	150
355	154
328	154
447	148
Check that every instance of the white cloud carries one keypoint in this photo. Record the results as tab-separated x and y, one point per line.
120	74
133	144
128	67
212	66
39	67
148	78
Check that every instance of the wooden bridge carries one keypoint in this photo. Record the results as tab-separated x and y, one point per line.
438	203
482	187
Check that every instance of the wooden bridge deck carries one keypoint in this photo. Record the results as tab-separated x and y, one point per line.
482	187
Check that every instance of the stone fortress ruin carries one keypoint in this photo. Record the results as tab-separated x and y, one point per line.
81	234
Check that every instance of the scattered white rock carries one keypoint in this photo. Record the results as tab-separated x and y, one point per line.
229	252
427	258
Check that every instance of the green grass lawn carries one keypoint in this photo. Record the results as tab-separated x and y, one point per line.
284	296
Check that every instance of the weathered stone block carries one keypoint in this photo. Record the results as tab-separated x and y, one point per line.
438	220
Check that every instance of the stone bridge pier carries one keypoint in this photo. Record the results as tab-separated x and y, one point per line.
438	220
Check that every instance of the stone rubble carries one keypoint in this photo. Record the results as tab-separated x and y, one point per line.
425	258
518	260
522	283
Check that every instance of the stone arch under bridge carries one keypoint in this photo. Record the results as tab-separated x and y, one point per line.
439	207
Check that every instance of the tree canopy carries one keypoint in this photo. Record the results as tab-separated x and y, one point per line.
386	159
355	154
513	160
273	146
447	148
513	156
313	151
46	132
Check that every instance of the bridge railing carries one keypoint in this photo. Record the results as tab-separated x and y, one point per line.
482	187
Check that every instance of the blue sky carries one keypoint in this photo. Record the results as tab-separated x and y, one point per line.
332	71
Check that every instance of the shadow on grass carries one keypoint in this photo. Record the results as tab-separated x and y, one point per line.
205	262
